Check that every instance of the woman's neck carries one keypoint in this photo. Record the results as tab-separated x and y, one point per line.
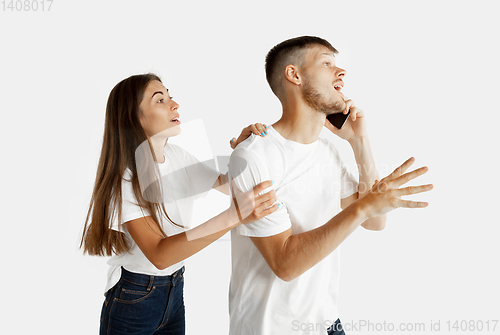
158	143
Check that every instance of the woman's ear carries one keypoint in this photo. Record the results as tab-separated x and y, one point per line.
292	74
142	120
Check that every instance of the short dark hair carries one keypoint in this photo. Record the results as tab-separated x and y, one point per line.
289	52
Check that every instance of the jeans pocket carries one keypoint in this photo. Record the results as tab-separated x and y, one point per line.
136	308
132	295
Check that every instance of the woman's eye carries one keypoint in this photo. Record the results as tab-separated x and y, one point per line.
326	63
161	100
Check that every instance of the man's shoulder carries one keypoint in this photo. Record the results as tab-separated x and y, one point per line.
256	146
257	153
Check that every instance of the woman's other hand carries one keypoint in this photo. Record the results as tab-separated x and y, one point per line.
250	206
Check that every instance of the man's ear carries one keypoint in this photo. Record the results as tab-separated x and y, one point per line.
292	74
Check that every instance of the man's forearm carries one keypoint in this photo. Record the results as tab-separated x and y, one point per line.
367	175
302	251
366	164
291	255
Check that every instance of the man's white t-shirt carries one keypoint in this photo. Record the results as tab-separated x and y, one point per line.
184	179
309	181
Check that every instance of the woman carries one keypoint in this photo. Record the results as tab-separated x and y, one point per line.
141	206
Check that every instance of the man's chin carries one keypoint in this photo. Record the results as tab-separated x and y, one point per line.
330	112
334	110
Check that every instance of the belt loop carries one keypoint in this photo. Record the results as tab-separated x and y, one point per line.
174	277
151	280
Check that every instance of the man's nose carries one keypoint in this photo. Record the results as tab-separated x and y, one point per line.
340	72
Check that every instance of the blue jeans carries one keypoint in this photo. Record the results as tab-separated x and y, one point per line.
144	305
336	329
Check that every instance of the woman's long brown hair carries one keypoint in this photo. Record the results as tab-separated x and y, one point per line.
123	136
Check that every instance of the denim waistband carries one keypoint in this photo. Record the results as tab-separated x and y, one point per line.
147	280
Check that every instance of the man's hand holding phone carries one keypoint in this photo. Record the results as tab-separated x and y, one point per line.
354	126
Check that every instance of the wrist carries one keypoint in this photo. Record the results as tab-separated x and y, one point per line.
358	141
361	209
231	217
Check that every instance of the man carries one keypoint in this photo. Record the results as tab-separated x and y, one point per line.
285	266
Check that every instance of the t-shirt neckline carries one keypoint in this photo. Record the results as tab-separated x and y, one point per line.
291	143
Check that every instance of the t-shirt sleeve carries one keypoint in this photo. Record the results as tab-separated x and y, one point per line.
247	170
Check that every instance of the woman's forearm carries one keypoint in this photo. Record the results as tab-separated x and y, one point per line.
173	249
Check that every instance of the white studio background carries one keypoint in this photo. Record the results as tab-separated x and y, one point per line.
425	73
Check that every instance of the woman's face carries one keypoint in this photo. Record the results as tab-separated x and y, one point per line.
158	112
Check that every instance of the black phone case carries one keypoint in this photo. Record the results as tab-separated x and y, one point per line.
338	119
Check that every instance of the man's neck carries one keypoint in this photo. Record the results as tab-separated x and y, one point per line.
300	123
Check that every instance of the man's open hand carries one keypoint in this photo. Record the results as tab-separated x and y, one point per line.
385	195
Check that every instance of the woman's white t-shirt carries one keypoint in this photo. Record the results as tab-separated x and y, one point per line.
183	175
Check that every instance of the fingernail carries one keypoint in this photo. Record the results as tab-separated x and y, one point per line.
265	132
272	182
279	205
232	140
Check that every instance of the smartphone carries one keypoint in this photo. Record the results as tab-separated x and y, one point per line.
338	119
